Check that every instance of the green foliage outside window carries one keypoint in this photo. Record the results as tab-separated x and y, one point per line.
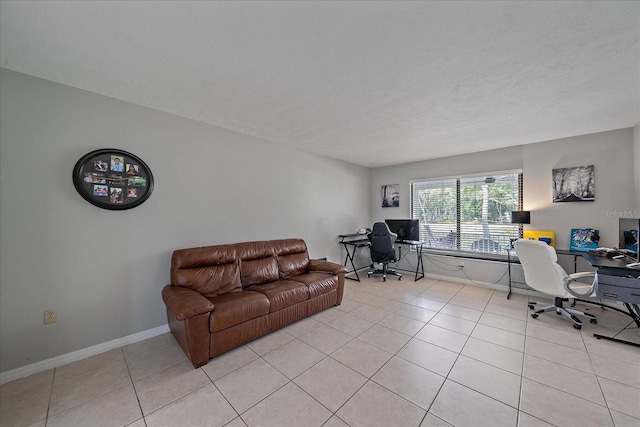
476	219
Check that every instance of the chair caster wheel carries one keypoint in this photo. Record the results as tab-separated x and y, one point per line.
534	315
384	279
531	306
576	326
594	321
400	278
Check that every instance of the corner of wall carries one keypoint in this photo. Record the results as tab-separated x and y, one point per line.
636	165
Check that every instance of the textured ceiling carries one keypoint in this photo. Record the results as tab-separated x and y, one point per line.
372	83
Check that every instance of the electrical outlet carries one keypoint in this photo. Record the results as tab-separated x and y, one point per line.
460	263
50	316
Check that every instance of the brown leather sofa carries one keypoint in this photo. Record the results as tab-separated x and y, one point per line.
221	297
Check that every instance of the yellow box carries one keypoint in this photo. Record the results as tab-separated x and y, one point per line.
546	236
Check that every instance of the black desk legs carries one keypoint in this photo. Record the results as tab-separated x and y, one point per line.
604	337
351	254
634	313
349	257
509	267
420	265
419	273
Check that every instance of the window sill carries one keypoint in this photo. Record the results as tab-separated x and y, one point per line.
481	256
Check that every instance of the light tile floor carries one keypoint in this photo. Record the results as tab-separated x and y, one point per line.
395	353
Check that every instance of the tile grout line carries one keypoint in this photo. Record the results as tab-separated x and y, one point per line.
53	377
381	296
595	372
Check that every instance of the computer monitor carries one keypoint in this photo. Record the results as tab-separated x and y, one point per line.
629	229
406	229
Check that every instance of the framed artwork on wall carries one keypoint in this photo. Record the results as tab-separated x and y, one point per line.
390	195
113	179
584	239
574	184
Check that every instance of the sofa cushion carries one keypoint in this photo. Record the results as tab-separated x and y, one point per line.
283	293
292	255
237	307
210	271
258	263
318	282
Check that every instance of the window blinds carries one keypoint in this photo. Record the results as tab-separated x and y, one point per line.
470	213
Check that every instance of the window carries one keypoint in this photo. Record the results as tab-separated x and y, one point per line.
469	213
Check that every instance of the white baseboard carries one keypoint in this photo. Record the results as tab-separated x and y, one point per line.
63	359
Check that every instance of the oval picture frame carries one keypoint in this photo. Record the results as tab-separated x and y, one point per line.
113	179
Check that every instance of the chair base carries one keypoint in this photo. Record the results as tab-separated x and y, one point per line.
385	271
561	310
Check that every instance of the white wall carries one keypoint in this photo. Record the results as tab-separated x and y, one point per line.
104	270
636	161
486	161
611	153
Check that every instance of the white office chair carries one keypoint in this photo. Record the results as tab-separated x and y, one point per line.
543	273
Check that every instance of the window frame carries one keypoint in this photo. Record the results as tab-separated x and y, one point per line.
458	250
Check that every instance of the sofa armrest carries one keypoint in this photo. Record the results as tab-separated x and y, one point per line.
327	266
185	303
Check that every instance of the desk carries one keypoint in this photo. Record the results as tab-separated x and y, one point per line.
617	282
354	241
574	254
419	273
509	249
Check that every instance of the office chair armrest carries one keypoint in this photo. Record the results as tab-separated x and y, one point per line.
585	290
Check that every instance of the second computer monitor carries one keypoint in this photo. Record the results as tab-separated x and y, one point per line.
629	230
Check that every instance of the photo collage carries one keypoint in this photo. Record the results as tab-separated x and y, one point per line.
114	179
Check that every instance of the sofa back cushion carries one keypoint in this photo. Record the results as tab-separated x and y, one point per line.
257	262
292	255
211	270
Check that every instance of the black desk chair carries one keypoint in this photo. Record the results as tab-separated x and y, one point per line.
383	250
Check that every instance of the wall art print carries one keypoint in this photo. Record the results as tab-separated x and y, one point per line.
576	184
584	239
390	196
113	179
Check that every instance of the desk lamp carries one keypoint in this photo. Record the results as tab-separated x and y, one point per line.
520	217
517	217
